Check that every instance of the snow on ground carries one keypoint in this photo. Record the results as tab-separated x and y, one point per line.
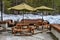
52	19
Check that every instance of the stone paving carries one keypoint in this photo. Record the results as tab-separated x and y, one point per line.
40	36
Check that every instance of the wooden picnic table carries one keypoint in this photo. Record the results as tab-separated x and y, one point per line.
26	25
32	22
19	29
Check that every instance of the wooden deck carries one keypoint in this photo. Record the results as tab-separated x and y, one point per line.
55	30
56	27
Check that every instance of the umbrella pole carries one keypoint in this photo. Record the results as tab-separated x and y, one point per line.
23	16
42	20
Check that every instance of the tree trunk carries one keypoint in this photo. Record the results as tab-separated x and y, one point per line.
1	10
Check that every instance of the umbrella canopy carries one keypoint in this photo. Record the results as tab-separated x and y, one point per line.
44	8
22	6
